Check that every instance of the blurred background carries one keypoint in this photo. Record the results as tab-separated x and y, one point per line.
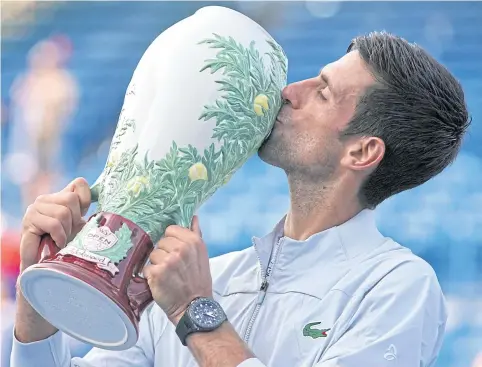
66	66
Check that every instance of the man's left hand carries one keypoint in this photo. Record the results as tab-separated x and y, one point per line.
179	270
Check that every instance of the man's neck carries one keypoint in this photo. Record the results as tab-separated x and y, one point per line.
317	206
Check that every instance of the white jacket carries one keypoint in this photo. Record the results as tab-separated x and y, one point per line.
373	302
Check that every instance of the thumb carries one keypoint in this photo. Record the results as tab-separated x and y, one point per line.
195	227
81	187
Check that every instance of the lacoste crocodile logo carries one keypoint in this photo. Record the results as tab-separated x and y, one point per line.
314	333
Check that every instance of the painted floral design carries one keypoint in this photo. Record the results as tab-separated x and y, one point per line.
198	171
156	194
261	104
137	184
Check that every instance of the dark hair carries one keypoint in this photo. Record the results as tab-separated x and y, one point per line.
416	107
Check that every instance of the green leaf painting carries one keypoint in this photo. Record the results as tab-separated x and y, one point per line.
156	194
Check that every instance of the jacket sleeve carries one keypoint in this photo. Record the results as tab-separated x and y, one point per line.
399	322
252	362
54	351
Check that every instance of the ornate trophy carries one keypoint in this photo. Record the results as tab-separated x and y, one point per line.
201	101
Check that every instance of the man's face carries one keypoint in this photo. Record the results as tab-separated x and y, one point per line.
305	138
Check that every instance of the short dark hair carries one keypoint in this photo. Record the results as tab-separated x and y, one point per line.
416	107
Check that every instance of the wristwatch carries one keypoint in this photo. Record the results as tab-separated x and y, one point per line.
202	315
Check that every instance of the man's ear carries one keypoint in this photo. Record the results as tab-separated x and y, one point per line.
363	154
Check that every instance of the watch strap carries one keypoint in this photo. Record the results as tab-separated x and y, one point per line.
185	327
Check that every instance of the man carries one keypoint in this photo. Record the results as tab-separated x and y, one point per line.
325	288
44	99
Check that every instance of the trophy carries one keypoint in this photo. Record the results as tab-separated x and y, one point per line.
203	98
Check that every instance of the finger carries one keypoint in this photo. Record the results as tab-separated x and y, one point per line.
40	224
68	199
195	226
152	273
158	256
59	212
170	244
181	233
147	271
80	187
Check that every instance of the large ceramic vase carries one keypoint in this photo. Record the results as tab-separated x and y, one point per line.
202	99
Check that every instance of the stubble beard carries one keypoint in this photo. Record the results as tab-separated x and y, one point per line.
274	151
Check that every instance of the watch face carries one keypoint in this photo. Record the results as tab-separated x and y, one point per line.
206	314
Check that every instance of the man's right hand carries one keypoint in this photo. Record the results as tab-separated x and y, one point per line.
61	216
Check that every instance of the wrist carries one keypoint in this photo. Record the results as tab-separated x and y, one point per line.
29	326
175	317
203	315
222	346
216	334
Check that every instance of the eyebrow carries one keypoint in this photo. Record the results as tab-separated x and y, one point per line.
325	78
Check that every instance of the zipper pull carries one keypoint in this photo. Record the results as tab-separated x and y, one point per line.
262	291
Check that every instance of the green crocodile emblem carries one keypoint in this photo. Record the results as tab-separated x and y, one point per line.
314	333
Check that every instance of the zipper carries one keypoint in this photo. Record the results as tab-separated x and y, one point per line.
264	286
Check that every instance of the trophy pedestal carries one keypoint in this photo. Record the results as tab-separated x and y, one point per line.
61	296
87	302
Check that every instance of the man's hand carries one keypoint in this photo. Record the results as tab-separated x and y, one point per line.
179	270
61	216
178	273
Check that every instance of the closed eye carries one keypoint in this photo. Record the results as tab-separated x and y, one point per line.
321	94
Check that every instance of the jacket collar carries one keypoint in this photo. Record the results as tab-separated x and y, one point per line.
339	244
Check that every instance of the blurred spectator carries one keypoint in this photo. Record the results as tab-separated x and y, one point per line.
10	240
10	257
43	100
4	126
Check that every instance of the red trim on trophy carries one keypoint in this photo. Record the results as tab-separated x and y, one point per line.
126	288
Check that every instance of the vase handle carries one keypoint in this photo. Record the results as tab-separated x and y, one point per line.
46	248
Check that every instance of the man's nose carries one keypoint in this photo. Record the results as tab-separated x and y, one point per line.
291	94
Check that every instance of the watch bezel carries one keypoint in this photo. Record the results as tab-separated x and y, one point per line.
192	308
